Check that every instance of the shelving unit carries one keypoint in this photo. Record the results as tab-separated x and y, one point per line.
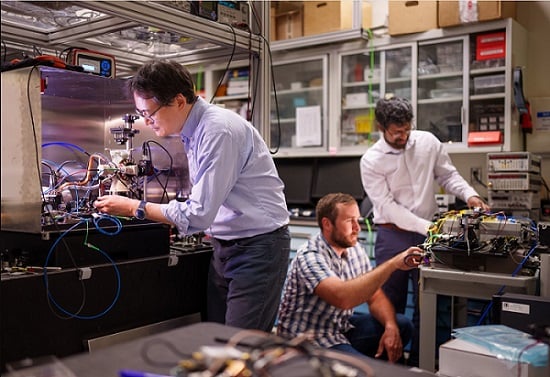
436	70
138	31
366	77
300	85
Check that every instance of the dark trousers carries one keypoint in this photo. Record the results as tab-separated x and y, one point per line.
367	331
246	279
390	242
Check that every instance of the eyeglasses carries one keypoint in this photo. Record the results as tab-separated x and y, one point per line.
402	131
149	117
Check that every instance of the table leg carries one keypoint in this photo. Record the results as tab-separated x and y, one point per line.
428	313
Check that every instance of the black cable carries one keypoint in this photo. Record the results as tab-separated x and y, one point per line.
164	188
266	41
67	51
144	351
255	16
278	145
5	54
546	186
228	63
478	180
36	50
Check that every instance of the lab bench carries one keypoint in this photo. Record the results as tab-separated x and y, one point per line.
456	283
60	314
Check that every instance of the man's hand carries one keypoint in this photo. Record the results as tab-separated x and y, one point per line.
391	342
116	205
408	259
476	202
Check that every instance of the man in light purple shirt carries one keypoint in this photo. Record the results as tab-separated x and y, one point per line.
236	198
398	174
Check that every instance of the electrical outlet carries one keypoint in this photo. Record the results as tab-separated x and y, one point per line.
475	175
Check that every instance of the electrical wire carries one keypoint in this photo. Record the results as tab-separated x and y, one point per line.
5	54
275	98
546	186
501	289
370	238
268	49
66	145
478	180
111	261
226	70
170	169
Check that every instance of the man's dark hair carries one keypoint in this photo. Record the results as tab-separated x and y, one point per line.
326	206
162	81
393	110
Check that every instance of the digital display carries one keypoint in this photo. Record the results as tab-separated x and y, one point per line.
94	62
89	65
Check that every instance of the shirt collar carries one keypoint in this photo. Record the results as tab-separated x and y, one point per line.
193	119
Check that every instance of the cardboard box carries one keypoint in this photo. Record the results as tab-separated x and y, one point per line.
328	16
449	12
411	16
288	17
458	357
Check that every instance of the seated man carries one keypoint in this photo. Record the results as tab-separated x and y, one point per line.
331	275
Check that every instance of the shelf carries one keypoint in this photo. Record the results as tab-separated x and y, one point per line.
360	83
284	120
197	39
480	97
439	100
483	71
320	39
298	91
441	75
399	79
359	107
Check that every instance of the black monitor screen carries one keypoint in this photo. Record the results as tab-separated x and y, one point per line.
338	174
297	174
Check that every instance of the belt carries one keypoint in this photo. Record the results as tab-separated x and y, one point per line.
391	227
226	243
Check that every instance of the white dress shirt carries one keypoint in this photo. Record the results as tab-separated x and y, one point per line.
400	182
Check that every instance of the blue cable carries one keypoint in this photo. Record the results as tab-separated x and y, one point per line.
66	145
516	271
46	283
115	220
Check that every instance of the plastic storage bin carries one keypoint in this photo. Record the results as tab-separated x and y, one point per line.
489	84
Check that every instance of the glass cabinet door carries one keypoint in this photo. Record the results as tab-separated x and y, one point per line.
440	90
366	77
299	105
488	82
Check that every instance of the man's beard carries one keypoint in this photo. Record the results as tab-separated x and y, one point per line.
343	242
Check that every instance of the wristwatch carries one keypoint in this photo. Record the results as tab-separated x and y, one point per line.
140	211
